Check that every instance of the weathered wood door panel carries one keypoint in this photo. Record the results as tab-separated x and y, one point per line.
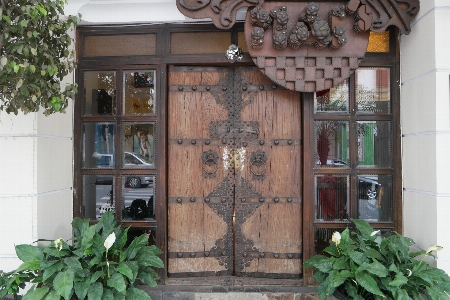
234	174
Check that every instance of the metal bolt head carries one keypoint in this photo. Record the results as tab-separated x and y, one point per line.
180	141
180	88
261	199
179	200
206	253
192	199
261	142
290	142
207	200
194	88
192	254
224	200
274	86
180	255
276	199
224	88
244	254
207	142
208	88
243	200
289	200
193	142
276	142
262	254
261	87
290	256
224	141
244	88
244	144
276	255
224	253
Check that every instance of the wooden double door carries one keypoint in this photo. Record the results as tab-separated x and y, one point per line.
235	206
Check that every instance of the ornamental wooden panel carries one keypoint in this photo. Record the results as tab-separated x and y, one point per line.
234	175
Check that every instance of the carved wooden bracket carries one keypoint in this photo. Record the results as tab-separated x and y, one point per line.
307	46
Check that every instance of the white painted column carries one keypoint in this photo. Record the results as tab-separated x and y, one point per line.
425	120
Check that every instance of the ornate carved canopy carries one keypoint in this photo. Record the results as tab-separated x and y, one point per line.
307	46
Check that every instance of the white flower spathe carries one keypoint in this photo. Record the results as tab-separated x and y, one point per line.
58	243
374	232
336	238
433	248
110	240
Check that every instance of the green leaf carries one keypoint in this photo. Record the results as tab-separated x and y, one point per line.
376	268
149	260
137	294
147	278
363	227
133	265
107	294
136	245
73	262
35	294
399	280
48	272
82	288
53	295
88	235
116	281
402	295
124	269
63	283
97	275
95	291
32	265
358	257
314	260
16	68
7	19
366	281
29	252
108	222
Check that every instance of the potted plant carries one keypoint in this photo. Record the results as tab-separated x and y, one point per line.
96	266
367	265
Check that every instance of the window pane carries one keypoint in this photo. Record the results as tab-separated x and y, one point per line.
98	196
322	238
139	92
331	144
98	145
331	197
375	197
138	145
332	100
374	144
138	202
373	91
100	93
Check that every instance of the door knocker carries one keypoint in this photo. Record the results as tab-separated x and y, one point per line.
258	164
210	166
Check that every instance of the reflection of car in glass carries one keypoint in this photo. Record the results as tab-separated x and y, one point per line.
131	159
368	187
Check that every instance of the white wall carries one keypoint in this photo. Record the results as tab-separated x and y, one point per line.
425	120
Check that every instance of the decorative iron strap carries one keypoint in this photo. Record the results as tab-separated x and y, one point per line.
223	199
246	142
220	88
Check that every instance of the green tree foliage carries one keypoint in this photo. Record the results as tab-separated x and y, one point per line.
35	56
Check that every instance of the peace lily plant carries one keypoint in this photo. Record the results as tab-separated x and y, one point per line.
366	265
96	266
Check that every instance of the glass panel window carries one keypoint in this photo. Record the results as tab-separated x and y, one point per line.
322	238
374	144
373	90
98	196
335	99
100	93
138	202
98	145
139	92
138	145
331	193
375	197
332	148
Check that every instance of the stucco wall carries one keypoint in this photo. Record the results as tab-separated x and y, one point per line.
425	120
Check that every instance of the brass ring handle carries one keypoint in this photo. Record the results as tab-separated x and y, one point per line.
260	162
214	162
